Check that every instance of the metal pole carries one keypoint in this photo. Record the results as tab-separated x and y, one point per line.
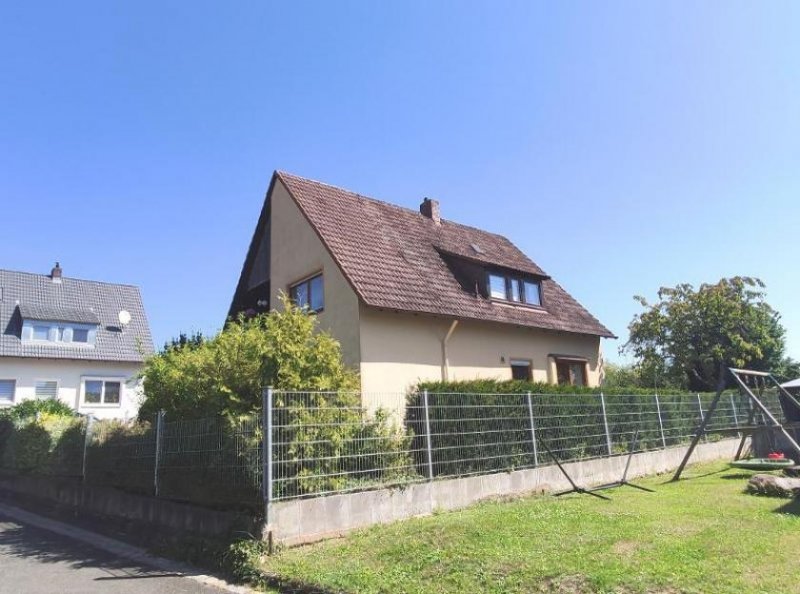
428	434
159	429
735	415
661	423
702	414
605	423
87	438
266	454
533	431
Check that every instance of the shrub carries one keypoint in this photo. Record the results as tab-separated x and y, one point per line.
226	374
30	408
43	444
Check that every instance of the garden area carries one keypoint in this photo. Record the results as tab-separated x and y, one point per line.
703	534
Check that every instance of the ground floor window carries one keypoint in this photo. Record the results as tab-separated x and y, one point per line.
521	370
102	391
46	389
571	371
7	389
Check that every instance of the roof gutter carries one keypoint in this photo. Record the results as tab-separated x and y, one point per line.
445	360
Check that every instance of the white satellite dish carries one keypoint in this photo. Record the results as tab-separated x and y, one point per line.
124	317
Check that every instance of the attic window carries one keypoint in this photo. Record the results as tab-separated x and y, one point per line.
309	293
476	248
516	290
61	333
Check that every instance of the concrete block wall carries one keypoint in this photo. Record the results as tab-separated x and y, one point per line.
306	520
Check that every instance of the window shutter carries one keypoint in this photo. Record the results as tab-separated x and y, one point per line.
46	389
7	390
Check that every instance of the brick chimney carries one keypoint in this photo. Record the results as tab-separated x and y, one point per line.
55	273
430	209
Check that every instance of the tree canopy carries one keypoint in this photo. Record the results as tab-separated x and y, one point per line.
225	374
690	332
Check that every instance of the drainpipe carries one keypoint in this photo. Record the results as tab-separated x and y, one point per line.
445	361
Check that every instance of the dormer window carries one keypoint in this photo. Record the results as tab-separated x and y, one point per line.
516	290
60	333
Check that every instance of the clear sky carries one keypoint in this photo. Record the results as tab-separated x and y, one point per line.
623	146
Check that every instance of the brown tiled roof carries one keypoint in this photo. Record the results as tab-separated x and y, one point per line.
392	258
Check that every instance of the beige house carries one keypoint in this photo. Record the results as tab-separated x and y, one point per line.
412	296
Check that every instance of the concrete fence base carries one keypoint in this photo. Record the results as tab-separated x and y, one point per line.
306	520
142	511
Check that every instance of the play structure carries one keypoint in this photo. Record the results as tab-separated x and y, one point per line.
760	421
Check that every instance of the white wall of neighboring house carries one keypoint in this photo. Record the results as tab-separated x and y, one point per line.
71	376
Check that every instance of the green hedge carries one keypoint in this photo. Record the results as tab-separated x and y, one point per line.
484	425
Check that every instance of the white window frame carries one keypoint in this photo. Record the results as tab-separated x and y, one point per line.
13	400
58	329
104	379
46	379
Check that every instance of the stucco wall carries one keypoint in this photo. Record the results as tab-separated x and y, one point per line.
296	253
69	375
399	349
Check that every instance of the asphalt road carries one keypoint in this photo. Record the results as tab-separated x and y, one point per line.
34	561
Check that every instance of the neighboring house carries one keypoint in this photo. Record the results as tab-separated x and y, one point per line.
412	296
80	341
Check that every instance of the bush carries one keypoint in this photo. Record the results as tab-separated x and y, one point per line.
327	442
43	444
226	374
30	408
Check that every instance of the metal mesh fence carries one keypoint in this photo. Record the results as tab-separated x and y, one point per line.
335	442
328	443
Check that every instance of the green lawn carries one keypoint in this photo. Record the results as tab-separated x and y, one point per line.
700	535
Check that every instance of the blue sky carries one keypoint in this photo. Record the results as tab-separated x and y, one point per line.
623	146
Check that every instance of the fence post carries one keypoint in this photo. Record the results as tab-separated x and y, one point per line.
159	431
702	414
428	434
661	423
533	431
605	423
266	453
735	415
87	438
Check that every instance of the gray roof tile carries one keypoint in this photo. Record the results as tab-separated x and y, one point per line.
37	297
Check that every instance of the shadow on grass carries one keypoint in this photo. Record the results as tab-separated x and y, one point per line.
694	476
790	507
738	476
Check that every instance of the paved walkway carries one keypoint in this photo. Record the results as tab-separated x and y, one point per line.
34	559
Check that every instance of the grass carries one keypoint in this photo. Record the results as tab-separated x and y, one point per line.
700	535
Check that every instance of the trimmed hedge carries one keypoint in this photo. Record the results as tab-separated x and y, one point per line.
485	426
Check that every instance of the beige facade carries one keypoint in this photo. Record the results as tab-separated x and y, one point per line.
393	351
296	253
400	349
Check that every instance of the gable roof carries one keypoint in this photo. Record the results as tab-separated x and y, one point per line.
392	257
30	296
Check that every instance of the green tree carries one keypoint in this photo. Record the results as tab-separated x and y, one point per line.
691	333
225	374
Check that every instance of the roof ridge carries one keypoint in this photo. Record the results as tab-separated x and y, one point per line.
386	203
72	278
